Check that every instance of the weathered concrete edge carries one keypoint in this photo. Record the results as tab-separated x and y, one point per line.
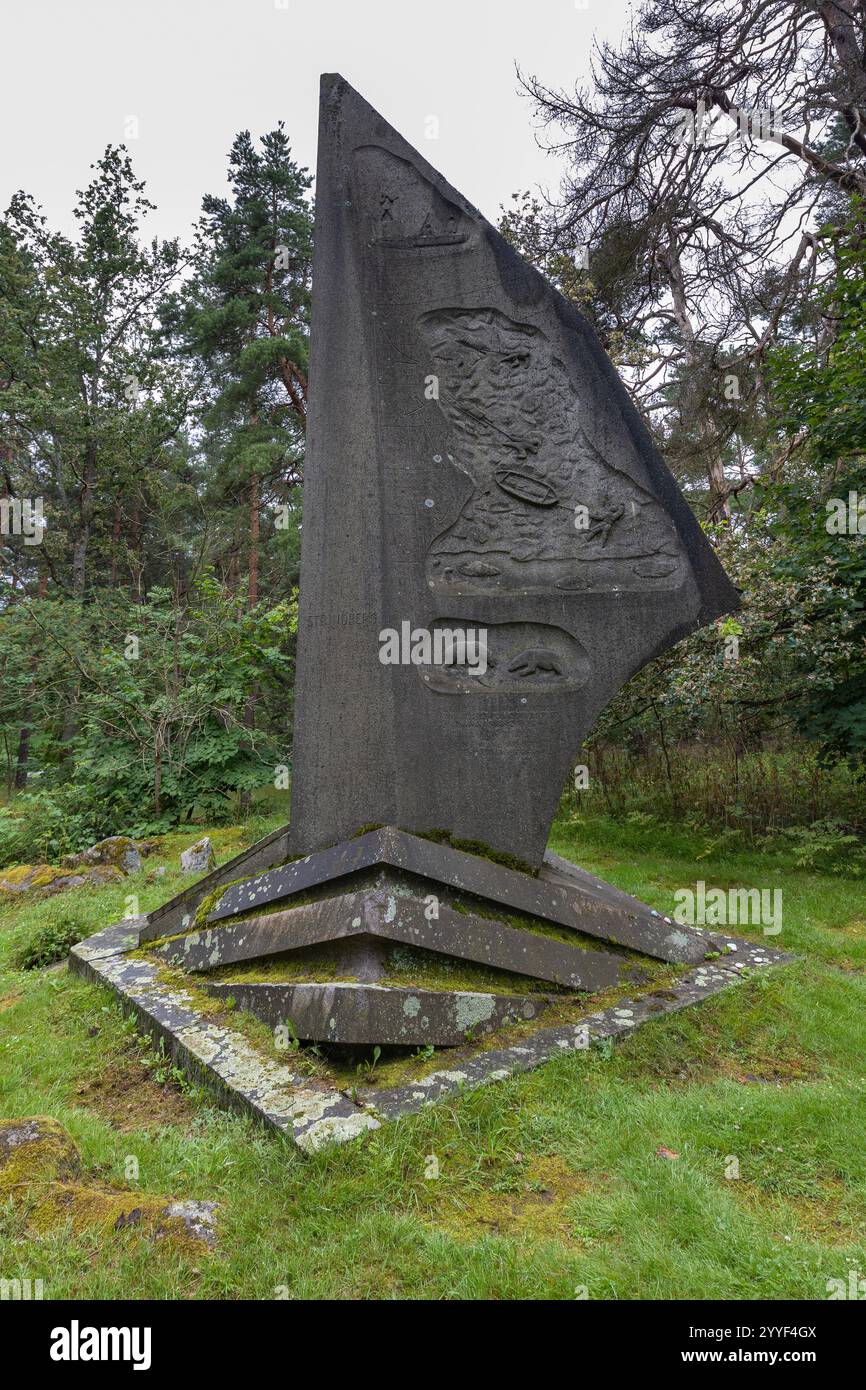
313	1115
612	1023
305	1110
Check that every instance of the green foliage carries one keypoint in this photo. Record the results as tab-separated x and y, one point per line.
730	795
41	826
821	392
820	517
824	641
243	320
162	734
828	846
51	942
90	407
143	416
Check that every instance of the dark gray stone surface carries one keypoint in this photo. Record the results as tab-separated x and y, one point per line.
473	461
178	912
579	901
364	1014
392	913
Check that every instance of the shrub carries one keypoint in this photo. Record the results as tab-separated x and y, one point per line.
51	942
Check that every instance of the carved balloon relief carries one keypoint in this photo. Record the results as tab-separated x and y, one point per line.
548	512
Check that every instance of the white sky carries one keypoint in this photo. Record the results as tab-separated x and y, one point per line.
194	72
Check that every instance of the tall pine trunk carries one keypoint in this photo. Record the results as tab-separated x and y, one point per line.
252	600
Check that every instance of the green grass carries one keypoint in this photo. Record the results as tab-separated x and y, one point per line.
548	1184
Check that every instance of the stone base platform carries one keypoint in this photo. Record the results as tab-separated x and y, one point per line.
309	947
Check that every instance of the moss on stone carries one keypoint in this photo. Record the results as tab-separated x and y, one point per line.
17	873
307	965
405	967
478	848
537	926
109	851
44	874
35	1150
106	1210
205	907
40	1173
27	878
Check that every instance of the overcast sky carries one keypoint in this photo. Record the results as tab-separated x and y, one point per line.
176	79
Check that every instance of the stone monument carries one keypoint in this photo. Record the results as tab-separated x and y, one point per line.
491	547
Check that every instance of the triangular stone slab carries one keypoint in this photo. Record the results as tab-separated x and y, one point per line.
391	913
473	462
583	903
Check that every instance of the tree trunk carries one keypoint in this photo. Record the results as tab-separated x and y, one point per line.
255	531
115	541
135	546
23	760
86	506
252	599
719	504
157	782
23	754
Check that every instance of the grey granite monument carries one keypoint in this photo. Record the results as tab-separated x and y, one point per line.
473	461
492	546
474	465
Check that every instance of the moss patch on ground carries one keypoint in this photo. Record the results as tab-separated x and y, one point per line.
41	1179
535	1204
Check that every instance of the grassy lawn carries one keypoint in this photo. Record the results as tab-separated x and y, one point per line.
548	1184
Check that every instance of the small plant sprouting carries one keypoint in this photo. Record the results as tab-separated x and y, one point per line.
366	1068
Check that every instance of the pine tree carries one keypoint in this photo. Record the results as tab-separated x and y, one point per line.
245	317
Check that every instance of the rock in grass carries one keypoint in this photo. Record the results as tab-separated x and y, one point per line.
40	1172
44	880
197	1217
199	858
108	861
33	1150
118	850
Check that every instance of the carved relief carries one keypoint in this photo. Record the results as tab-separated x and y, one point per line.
404	212
548	512
522	658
